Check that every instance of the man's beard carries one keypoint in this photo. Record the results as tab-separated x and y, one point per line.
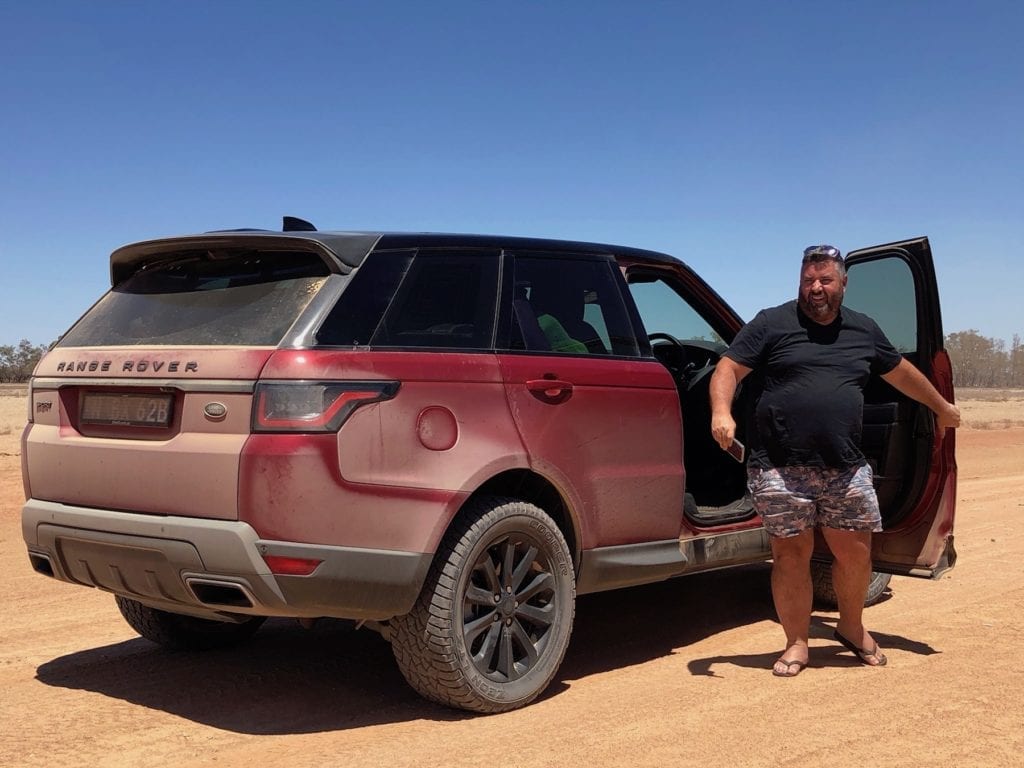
821	311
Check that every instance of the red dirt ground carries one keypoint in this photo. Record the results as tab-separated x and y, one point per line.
669	675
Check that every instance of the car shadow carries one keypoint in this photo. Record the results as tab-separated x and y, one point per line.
287	680
631	626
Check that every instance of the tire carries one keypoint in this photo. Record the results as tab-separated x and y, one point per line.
491	626
825	593
178	632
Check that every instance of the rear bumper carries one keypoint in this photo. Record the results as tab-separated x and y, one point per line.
210	568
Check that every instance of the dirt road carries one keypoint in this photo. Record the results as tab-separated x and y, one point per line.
670	675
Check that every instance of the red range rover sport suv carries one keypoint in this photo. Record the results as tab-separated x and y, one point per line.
444	437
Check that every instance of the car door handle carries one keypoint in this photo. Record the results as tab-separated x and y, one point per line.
553	391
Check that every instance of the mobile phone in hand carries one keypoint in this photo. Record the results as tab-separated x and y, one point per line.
737	450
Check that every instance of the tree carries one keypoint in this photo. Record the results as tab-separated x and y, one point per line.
1017	362
17	363
979	361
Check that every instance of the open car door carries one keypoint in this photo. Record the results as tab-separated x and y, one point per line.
914	465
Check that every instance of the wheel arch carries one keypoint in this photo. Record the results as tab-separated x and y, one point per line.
526	485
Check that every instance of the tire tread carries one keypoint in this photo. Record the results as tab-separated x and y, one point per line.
422	639
184	633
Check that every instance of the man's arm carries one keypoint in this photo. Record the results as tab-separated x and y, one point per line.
912	383
727	376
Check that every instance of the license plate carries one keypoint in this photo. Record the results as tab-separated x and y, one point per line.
127	409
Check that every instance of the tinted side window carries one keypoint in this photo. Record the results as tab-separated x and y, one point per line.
884	290
358	313
403	299
569	305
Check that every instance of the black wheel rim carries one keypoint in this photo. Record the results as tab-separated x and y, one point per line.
509	608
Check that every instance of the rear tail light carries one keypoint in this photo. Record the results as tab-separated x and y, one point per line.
304	406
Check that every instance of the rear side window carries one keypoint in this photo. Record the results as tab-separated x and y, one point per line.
229	297
570	305
443	299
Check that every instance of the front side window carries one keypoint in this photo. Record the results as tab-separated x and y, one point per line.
569	305
664	310
417	299
231	297
884	290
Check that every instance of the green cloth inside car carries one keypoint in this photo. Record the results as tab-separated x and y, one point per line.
559	340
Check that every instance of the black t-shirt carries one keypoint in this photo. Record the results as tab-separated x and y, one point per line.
808	383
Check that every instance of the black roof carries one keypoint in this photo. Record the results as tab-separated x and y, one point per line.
348	249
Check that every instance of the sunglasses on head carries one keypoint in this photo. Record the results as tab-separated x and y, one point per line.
822	253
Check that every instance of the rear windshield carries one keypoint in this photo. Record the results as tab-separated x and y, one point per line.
205	298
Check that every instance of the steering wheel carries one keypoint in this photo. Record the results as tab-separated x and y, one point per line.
684	365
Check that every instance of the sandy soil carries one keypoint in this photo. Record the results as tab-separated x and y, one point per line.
669	675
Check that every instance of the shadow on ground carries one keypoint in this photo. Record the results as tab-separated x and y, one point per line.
822	654
631	626
288	680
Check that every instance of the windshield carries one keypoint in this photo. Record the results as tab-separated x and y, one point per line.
201	298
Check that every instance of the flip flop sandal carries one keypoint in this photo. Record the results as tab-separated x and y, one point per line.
789	665
862	654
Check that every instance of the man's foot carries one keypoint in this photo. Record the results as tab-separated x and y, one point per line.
788	668
871	658
792	661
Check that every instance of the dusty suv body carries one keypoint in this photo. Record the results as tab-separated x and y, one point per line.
445	436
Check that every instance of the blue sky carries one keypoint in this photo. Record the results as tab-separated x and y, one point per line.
728	134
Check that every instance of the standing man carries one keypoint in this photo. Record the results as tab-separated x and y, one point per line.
806	468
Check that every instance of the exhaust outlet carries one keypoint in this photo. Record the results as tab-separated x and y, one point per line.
220	593
41	564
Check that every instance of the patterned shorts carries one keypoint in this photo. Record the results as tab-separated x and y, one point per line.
792	499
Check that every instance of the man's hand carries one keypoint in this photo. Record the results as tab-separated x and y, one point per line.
723	429
728	374
912	383
948	417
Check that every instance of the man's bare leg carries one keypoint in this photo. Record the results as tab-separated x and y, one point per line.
791	590
851	574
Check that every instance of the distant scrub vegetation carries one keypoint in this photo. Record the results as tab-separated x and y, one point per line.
17	363
983	362
977	361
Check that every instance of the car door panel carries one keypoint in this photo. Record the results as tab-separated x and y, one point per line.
597	419
607	432
915	465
